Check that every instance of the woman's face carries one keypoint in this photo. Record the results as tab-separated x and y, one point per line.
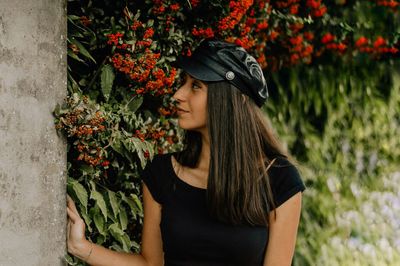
192	104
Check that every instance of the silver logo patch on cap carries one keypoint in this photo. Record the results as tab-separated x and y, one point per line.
230	75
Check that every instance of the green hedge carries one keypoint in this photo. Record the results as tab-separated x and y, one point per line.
351	206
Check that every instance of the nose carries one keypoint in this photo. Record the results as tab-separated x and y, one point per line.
179	95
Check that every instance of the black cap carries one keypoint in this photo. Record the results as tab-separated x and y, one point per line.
216	60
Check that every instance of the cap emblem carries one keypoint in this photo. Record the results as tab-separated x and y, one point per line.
230	75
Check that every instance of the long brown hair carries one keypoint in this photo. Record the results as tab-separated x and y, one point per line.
242	145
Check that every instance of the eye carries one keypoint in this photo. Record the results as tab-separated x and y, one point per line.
196	85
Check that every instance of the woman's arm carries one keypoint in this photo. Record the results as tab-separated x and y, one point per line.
151	255
283	232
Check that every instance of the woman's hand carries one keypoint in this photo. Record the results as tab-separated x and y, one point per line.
76	241
100	256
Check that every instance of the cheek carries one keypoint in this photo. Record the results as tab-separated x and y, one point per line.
196	119
202	111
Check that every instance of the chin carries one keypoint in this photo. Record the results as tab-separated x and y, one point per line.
191	126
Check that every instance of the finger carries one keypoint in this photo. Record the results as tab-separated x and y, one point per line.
71	204
68	229
68	198
72	215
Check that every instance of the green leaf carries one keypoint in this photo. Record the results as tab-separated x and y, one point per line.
116	146
86	169
135	103
100	202
123	218
82	49
99	223
87	220
73	86
80	193
57	110
137	16
101	239
115	230
113	202
121	236
112	22
107	79
137	202
74	56
70	260
126	242
116	247
131	204
136	246
74	17
141	147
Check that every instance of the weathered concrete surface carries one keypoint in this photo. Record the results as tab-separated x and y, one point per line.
32	156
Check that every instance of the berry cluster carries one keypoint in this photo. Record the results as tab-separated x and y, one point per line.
140	64
389	3
378	47
83	122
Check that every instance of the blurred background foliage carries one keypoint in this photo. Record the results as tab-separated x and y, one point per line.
334	79
350	158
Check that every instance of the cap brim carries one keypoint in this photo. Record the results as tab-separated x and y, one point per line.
197	69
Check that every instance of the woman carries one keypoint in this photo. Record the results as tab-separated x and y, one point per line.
231	197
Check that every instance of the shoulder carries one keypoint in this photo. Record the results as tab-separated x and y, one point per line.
282	165
285	180
160	159
159	162
157	174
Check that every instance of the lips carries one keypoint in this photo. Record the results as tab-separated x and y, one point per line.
181	111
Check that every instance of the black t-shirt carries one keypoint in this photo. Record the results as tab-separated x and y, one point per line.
191	237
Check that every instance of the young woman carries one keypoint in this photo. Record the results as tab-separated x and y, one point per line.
231	197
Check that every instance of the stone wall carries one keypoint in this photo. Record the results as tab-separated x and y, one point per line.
32	155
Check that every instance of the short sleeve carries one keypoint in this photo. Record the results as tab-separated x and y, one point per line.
154	178
285	181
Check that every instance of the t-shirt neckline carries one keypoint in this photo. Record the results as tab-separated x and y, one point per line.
180	180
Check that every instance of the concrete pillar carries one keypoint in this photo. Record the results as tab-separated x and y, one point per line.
32	156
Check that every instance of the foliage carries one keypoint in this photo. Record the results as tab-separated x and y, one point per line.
319	56
351	204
